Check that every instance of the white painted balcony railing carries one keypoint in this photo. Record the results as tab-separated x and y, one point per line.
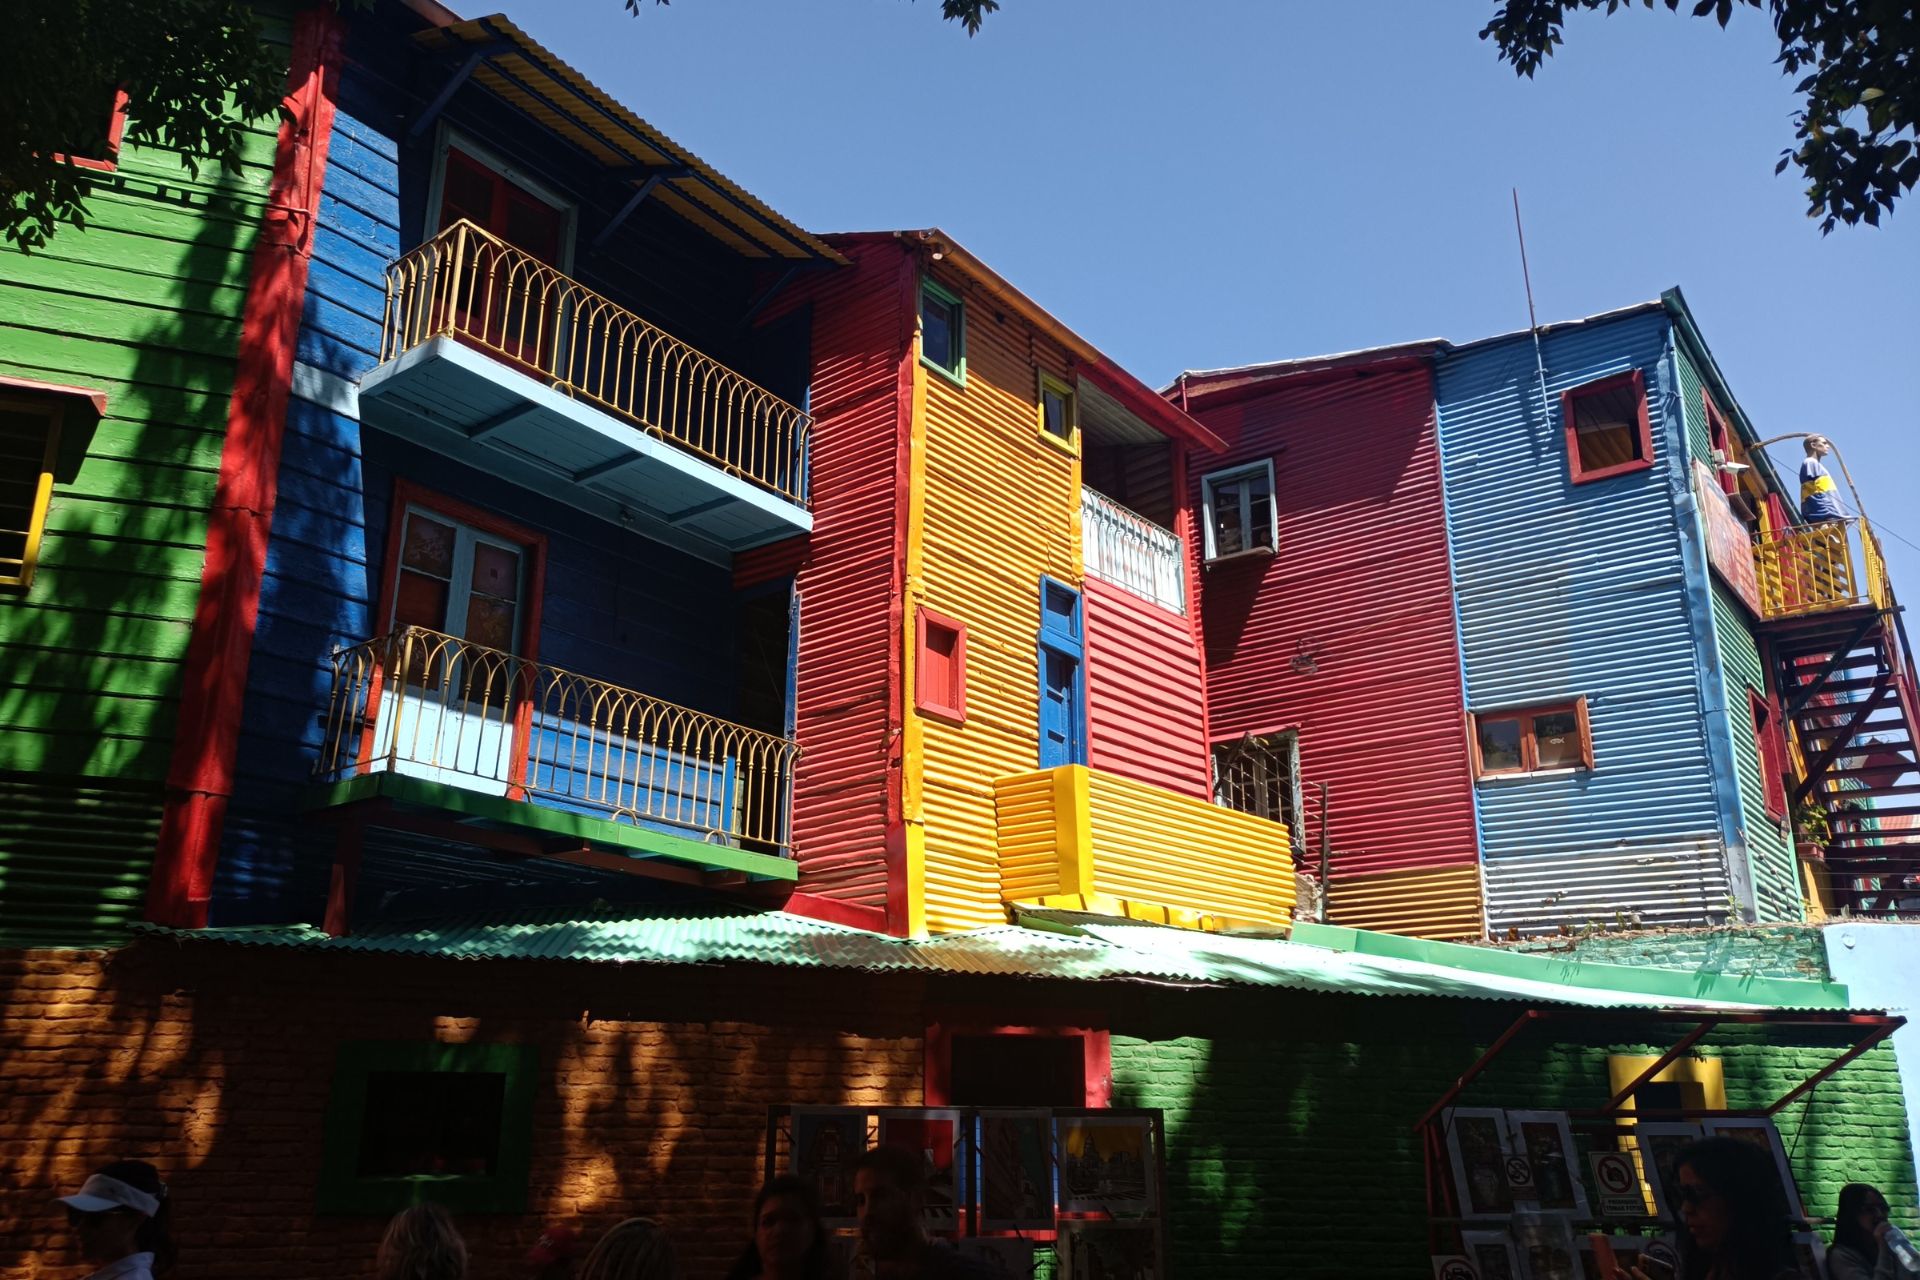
1132	552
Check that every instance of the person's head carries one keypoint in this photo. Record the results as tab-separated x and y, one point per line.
637	1249
122	1210
1858	1215
1733	1209
422	1244
889	1189
552	1254
788	1237
1818	446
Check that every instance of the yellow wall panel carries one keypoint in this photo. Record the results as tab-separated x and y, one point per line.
1439	902
998	507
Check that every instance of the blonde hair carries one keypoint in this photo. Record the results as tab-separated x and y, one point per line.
637	1249
422	1244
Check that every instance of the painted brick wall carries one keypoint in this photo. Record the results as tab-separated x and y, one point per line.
1292	1152
215	1063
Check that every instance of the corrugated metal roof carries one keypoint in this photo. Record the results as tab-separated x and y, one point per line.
519	70
1335	961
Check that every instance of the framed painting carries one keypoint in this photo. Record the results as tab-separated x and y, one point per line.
1659	1142
936	1136
1477	1150
1546	1139
826	1143
1761	1132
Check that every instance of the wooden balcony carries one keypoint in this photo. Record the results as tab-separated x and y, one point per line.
496	358
1077	838
1821	568
433	722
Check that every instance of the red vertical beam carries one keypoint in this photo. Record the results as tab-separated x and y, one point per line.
213	683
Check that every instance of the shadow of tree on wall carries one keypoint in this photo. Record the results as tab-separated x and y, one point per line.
145	305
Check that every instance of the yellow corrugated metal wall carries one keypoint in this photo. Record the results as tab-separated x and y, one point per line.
997	506
1175	851
1425	902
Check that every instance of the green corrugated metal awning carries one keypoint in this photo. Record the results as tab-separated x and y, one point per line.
1318	959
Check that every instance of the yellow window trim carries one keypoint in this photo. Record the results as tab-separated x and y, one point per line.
1706	1074
1047	382
43	488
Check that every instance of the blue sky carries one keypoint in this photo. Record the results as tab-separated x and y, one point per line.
1199	183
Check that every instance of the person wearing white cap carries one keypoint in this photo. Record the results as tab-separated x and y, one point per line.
120	1219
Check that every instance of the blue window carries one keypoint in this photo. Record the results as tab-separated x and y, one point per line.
1063	691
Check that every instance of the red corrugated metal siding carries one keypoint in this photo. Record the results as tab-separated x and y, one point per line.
1361	586
1144	691
846	707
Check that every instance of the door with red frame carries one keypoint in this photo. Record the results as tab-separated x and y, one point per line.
511	302
456	688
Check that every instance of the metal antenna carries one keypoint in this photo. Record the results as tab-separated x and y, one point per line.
1533	324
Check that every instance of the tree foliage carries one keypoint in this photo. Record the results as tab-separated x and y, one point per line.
194	71
1857	132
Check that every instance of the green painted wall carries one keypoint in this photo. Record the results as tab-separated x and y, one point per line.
1776	876
143	304
1759	951
1291	1150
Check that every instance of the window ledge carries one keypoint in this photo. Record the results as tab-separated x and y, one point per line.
957	379
1565	772
1251	553
1070	447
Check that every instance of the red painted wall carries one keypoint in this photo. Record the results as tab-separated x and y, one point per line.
846	791
1361	580
1144	692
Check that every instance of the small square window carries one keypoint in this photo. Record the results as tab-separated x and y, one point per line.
943	331
409	1122
1607	428
1533	739
940	666
1059	414
1240	515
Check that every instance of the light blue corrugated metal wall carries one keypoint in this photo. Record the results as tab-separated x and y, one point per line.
1566	590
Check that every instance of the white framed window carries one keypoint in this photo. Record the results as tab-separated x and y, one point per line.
1241	518
453	578
476	183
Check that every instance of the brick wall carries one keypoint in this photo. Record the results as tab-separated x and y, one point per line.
1758	951
1291	1150
214	1062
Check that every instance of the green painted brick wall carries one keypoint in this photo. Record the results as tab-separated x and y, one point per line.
1291	1152
143	304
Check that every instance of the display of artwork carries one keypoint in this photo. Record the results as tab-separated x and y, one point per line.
1602	1255
1107	1165
1546	1140
1760	1131
1659	1142
1108	1250
826	1143
1545	1245
1015	1164
936	1136
1453	1266
1477	1148
1492	1255
1004	1257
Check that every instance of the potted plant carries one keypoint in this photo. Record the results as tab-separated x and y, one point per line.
1811	831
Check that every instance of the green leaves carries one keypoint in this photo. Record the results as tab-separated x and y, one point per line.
1860	116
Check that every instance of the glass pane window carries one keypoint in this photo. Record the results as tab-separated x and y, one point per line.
1556	737
942	330
1607	431
1056	410
1500	746
456	579
1240	512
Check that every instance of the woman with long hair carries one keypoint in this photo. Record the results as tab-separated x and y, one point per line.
422	1244
122	1222
789	1241
637	1249
1733	1213
1860	1227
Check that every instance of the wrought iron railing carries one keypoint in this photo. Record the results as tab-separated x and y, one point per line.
1812	569
470	285
437	707
1132	552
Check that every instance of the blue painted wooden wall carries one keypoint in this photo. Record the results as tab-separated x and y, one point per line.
1565	590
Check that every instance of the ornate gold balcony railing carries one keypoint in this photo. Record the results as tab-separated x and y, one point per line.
1813	568
470	285
437	707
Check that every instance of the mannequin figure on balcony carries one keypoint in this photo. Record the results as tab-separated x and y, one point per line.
1819	499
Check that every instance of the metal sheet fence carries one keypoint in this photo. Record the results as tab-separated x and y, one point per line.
437	707
467	284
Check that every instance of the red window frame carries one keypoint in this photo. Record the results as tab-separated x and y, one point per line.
1771	745
407	493
944	704
116	130
503	195
946	1024
1643	426
1529	746
1718	437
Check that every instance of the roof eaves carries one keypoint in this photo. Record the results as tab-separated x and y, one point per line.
1236	375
